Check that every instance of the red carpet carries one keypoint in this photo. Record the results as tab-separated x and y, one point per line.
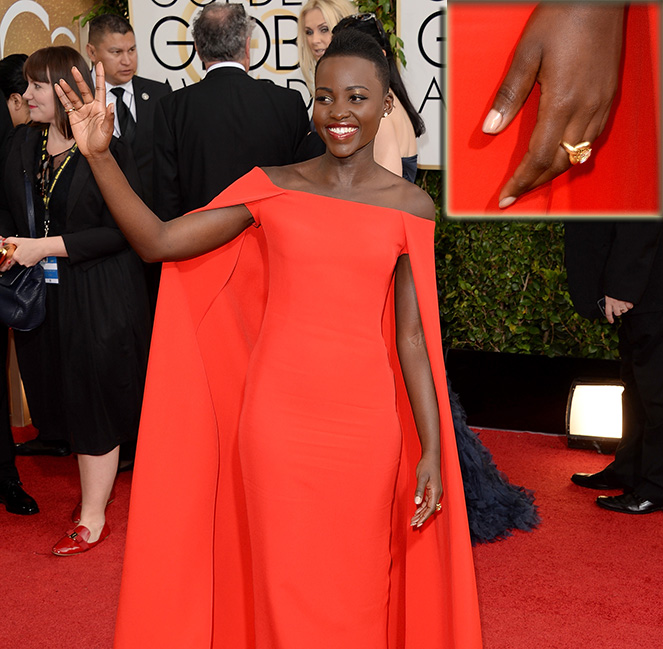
51	602
586	579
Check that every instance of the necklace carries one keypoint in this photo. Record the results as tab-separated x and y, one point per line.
48	175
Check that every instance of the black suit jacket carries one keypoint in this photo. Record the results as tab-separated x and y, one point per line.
209	134
91	233
147	94
621	259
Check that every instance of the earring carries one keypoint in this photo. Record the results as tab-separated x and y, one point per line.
385	113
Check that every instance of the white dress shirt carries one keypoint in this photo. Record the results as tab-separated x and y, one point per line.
226	64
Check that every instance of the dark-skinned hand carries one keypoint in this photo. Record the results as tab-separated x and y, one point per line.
429	490
90	119
573	51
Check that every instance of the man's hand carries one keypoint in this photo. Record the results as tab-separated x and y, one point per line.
615	308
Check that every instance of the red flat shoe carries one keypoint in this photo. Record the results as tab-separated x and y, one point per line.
75	541
76	514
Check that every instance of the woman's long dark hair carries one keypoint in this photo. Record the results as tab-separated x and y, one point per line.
370	25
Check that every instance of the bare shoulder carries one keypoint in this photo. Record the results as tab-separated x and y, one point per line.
294	176
383	189
410	198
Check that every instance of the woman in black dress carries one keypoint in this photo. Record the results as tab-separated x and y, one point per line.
84	367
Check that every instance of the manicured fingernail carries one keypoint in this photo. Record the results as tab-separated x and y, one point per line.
505	202
492	121
417	500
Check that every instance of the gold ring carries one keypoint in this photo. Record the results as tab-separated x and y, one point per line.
579	153
438	507
70	110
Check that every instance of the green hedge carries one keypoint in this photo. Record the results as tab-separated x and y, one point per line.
502	287
120	7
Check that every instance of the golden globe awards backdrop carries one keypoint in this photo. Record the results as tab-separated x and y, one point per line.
26	25
165	44
165	51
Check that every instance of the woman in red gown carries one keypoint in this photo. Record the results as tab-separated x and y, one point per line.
286	521
574	57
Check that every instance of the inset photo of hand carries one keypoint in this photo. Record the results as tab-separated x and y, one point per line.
554	109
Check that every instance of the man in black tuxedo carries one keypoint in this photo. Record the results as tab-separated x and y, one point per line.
209	134
111	40
615	268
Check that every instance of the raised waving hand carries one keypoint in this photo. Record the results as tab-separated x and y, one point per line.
90	119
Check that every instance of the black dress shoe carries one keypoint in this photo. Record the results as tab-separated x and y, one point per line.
58	448
15	499
628	503
602	480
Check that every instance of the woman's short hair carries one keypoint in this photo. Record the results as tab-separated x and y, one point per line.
332	11
49	65
220	32
11	75
351	42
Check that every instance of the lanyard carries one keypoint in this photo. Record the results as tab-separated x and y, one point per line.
46	194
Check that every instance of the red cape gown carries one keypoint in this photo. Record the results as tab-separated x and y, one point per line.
187	579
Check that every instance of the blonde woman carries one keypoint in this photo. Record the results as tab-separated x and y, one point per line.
314	31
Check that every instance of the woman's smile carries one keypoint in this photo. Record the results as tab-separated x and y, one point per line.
341	131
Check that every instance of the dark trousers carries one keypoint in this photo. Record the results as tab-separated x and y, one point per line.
7	466
639	458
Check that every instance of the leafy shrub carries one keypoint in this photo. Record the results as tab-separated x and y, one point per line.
385	11
502	287
120	7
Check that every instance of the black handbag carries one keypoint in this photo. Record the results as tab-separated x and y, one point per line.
22	289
